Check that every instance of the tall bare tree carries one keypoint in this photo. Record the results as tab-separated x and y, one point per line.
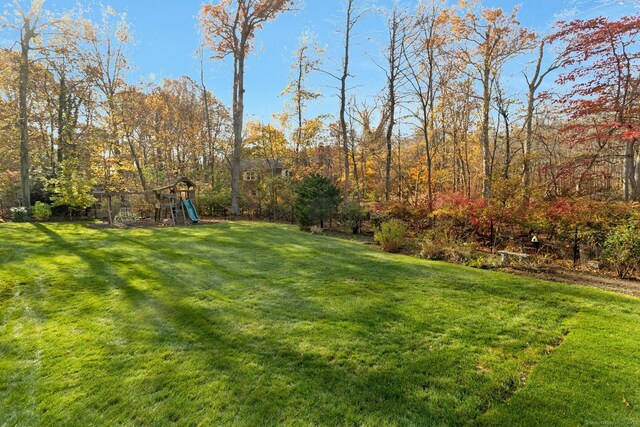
422	74
351	19
308	58
26	22
396	63
229	30
352	16
488	39
533	85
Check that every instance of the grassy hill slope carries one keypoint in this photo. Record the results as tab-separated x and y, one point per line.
254	324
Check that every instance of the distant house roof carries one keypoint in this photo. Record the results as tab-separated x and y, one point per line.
260	164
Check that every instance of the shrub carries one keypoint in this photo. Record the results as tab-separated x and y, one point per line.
440	246
351	214
41	211
19	214
73	186
214	203
462	217
378	216
622	249
391	235
417	217
316	230
316	201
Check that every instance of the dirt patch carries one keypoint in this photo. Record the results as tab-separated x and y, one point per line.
575	277
147	224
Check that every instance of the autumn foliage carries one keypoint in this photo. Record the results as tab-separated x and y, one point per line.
601	61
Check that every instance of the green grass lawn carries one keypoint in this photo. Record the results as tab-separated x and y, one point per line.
258	324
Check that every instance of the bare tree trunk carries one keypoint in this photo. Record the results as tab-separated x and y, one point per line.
354	161
210	142
486	149
392	75
238	113
28	32
526	151
136	161
636	192
350	22
533	85
299	110
629	171
507	145
502	106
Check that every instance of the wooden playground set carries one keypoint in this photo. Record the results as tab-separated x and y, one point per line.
174	204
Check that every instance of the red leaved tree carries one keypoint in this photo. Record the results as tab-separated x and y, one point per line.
229	30
601	59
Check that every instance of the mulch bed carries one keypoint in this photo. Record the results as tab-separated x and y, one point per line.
577	277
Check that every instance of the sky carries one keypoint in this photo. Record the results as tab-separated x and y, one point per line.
167	36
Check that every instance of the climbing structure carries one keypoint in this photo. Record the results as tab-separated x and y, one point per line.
175	203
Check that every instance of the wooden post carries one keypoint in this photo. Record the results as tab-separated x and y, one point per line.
504	259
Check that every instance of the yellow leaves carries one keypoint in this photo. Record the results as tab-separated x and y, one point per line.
492	15
264	139
287	89
229	26
123	33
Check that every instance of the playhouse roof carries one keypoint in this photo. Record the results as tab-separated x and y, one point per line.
180	180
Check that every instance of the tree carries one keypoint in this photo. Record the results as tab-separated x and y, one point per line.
67	88
73	187
489	39
351	19
601	59
428	45
229	29
215	125
316	201
27	23
352	16
101	50
533	84
394	73
308	58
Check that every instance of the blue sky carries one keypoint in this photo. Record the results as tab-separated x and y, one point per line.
167	36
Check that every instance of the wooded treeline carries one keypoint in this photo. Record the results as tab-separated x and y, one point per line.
453	118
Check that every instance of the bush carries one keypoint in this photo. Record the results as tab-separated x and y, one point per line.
351	214
378	216
622	249
19	214
391	235
316	201
463	218
440	246
41	211
73	186
214	203
316	230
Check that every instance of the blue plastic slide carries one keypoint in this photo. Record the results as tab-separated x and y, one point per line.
191	210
